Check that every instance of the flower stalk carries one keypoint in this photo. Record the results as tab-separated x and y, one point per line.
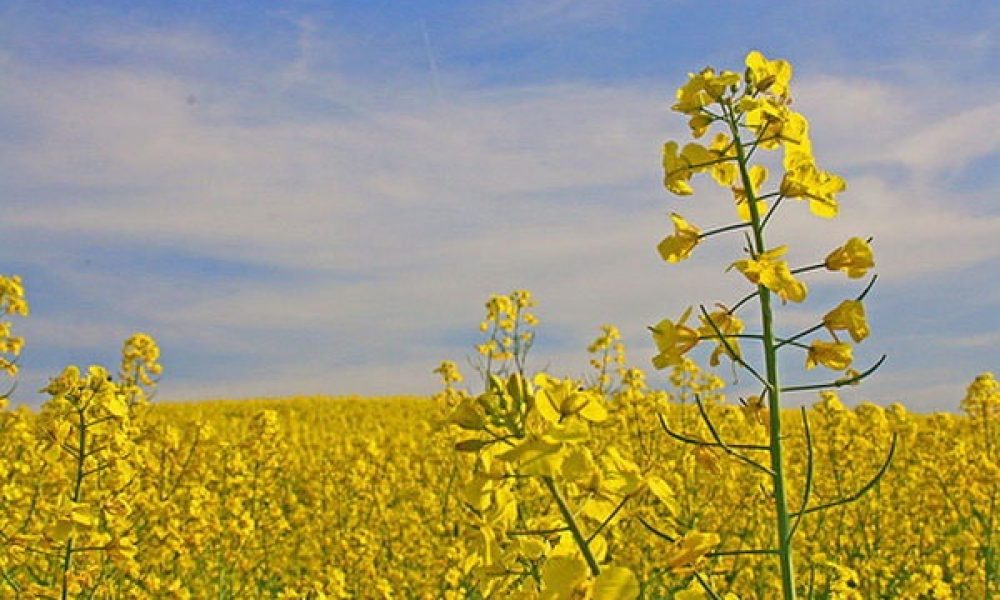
782	517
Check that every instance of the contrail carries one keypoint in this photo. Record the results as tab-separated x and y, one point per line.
431	63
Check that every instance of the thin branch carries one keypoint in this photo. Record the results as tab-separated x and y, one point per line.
697	442
838	383
743	301
567	516
867	289
799	335
806	269
742	552
818	326
521	532
770	212
807	489
715	434
656	531
732	227
691	167
705	586
732	353
861	492
754	336
608	520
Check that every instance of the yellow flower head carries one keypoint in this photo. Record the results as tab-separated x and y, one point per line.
688	551
558	399
806	181
12	301
771	76
702	89
755	410
849	316
140	356
833	355
673	340
449	372
854	258
982	398
678	167
771	272
724	172
678	246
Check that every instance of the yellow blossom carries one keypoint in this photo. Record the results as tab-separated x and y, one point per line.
855	258
773	273
833	355
848	316
806	181
673	340
702	89
771	76
678	246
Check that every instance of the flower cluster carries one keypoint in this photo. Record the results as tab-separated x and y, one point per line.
744	115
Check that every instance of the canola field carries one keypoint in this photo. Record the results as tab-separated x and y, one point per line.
517	483
367	498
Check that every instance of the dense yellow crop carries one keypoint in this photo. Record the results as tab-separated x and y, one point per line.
349	497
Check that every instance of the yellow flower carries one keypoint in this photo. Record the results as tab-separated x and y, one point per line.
854	258
699	125
833	355
770	76
702	89
755	410
673	340
449	372
849	316
982	397
688	551
767	118
12	301
677	247
679	167
675	172
728	324
557	399
774	274
724	172
805	180
795	139
564	577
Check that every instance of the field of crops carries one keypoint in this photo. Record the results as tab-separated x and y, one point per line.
354	497
519	483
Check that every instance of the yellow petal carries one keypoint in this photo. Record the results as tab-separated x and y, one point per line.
616	583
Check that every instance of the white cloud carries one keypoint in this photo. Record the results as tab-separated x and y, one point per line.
398	218
952	142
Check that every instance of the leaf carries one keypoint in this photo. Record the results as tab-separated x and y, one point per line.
472	445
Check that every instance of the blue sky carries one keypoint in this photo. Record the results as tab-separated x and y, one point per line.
317	197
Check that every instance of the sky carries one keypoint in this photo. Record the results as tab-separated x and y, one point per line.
301	198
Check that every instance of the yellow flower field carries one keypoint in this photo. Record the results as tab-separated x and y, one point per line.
363	497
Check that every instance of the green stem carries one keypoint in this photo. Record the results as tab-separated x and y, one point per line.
574	528
77	491
782	518
732	227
